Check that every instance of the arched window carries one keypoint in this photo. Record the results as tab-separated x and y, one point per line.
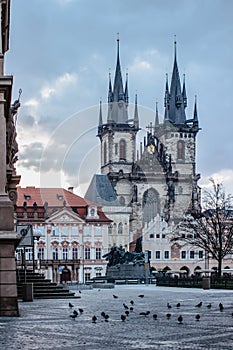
120	228
122	200
122	147
151	204
105	153
180	150
110	229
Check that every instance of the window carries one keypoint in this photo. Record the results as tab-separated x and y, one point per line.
157	254
120	228
157	235
74	253
110	229
105	153
116	149
166	254
86	231
98	231
183	254
180	150
41	230
64	230
28	253
74	231
87	276
98	253
40	253
92	212
151	235
122	146
55	253
55	231
65	253
98	274
200	254
191	254
87	253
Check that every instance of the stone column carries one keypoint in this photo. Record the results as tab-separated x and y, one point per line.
8	181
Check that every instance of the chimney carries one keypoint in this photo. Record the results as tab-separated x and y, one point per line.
71	189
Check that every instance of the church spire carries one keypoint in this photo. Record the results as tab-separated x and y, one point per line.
176	105
195	116
118	92
156	117
100	114
184	93
110	97
136	118
126	90
166	100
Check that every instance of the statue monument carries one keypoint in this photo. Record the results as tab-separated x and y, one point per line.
127	265
8	178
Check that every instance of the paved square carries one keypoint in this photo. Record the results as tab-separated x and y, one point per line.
46	324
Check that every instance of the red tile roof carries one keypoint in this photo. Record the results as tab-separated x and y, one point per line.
55	197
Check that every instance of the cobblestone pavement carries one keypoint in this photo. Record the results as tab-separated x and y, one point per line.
46	324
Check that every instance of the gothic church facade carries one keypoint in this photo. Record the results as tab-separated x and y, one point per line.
157	177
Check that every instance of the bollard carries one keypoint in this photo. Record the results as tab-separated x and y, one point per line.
27	291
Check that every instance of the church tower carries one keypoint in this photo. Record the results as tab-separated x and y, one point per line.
118	136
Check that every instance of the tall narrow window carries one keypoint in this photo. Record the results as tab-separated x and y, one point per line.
122	146
105	153
55	253
74	253
120	228
98	253
180	150
110	229
65	253
87	253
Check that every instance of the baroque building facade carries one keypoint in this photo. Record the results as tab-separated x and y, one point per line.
154	178
68	229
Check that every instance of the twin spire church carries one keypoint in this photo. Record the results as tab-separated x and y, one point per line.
152	179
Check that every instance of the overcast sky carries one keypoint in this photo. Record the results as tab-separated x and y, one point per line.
60	55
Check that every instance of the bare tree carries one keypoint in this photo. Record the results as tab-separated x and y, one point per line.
212	228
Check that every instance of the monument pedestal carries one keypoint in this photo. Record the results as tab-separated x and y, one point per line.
129	271
8	281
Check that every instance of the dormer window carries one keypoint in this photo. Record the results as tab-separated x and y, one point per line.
27	197
59	197
92	212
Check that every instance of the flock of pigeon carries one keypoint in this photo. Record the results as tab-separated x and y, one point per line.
128	309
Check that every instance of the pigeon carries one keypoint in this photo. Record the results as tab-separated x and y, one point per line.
73	316
209	306
127	312
80	310
141	295
71	305
102	313
115	296
75	312
79	291
169	306
94	319
168	316
180	319
232	314
125	306
131	302
155	316
197	317
106	317
144	313
178	305
123	318
221	307
199	304
131	308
